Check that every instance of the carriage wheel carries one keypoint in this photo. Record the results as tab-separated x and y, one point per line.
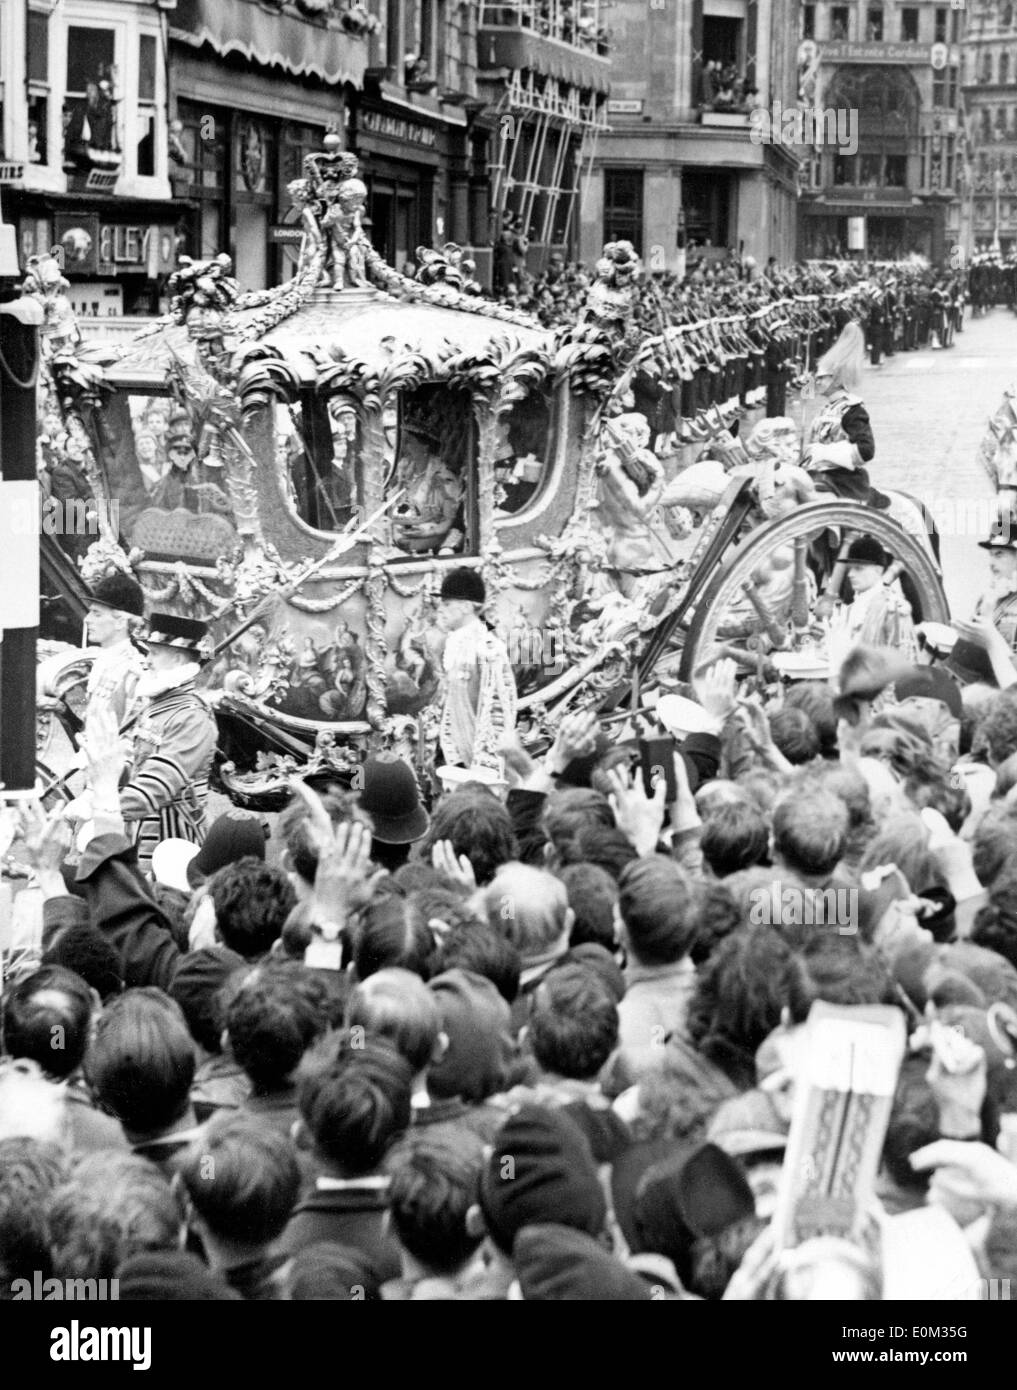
806	524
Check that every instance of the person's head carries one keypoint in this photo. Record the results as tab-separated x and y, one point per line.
573	1026
572	809
815	698
83	949
273	1018
995	925
606	846
478	1041
392	932
530	906
300	854
656	911
141	1063
794	735
172	642
390	796
810	829
354	1101
434	1189
47	1018
396	1005
114	1205
735	837
331	1273
914	1122
252	901
840	369
462	597
478	825
592	894
997	730
242	1179
483	950
866	562
541	1169
30	1172
994	847
740	997
717	916
117	602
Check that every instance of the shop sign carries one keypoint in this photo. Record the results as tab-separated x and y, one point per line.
619	107
873	52
397	128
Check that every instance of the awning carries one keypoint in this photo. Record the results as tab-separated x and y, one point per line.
521	48
273	40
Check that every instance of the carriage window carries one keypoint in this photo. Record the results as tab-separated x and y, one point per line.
318	447
434	470
523	452
167	472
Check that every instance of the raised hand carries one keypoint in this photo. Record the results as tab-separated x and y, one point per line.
715	689
460	870
637	815
576	738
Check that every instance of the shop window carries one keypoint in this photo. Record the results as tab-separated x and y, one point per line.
839	15
90	107
909	24
623	206
523	455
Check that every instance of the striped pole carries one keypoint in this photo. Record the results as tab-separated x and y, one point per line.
19	541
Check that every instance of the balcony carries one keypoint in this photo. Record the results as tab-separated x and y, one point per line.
550	37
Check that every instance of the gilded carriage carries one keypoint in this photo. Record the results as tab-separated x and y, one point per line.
301	467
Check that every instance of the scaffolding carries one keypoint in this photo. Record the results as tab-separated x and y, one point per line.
536	169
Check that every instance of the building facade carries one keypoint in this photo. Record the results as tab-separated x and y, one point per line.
988	170
683	163
889	75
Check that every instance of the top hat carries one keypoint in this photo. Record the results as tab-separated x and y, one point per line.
121	592
465	584
392	800
865	550
184	634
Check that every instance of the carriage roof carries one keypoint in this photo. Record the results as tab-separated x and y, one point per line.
374	328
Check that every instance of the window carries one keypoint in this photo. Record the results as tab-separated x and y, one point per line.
895	173
38	47
986	67
845	170
909	24
808	21
623	206
146	105
839	22
941	20
874	24
522	454
944	88
1004	68
90	107
435	469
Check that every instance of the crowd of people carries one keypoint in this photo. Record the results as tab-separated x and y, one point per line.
542	1041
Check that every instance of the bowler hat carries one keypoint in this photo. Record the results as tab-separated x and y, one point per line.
391	798
865	550
121	592
463	583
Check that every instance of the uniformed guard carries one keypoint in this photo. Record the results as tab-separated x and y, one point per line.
118	604
174	739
